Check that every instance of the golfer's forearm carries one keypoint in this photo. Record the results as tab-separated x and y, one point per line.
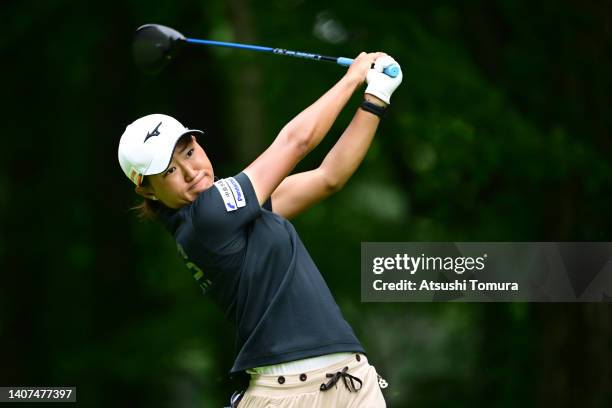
348	152
312	124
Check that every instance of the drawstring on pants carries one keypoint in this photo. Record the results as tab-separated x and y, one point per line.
344	375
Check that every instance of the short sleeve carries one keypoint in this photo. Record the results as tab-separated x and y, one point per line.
223	211
268	204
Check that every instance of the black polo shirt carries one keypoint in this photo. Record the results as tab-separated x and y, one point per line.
254	266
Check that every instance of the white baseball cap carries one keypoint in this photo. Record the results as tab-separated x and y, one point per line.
147	145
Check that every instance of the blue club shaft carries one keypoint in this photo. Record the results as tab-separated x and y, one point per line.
229	45
392	70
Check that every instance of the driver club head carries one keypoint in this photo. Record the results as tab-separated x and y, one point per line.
154	46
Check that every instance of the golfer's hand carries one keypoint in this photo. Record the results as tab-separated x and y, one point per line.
361	65
382	85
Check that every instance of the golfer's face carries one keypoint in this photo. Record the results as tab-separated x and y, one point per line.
188	174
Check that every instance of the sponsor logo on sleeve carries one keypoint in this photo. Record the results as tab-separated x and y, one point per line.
227	195
237	191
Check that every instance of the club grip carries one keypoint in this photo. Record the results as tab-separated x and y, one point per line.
391	70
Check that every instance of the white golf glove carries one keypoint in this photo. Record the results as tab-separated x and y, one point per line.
382	85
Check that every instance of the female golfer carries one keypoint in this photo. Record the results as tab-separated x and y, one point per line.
234	236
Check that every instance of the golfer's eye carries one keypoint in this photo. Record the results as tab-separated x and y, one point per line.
170	171
190	152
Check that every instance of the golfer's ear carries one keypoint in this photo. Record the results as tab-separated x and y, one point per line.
146	192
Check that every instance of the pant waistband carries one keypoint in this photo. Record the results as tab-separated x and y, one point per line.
304	382
302	365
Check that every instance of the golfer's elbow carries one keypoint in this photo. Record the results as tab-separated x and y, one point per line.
299	140
331	181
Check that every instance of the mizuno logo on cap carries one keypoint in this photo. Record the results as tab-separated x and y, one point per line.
155	132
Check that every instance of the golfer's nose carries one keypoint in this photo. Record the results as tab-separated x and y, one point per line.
189	172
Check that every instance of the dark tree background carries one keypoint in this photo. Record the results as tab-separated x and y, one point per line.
499	132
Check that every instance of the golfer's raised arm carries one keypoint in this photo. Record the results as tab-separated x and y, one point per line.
304	132
299	191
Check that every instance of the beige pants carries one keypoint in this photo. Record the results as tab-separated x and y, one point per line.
304	390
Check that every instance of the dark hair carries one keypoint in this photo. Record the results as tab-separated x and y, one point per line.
149	209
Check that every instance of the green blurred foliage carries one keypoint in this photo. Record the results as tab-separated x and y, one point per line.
500	131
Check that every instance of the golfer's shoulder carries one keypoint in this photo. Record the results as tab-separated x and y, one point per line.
227	205
207	209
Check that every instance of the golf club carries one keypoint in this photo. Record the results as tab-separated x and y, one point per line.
155	45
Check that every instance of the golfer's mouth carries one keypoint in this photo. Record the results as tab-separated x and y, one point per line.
200	183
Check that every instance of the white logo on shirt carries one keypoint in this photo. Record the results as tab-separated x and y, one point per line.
227	195
237	191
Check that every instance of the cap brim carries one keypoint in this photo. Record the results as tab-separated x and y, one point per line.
162	161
